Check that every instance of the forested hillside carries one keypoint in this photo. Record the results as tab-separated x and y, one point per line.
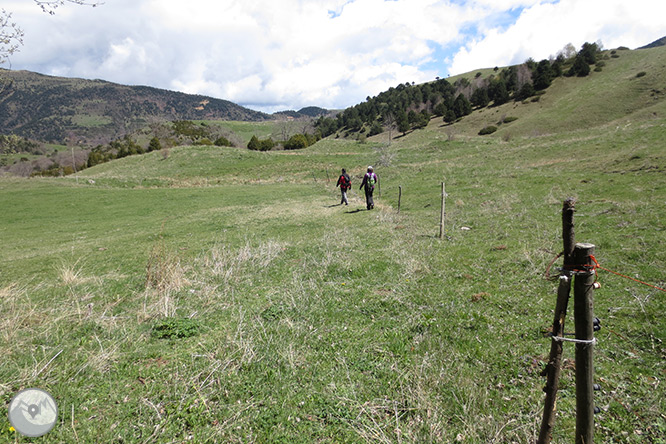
76	111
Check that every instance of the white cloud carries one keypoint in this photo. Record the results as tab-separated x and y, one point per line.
293	53
544	29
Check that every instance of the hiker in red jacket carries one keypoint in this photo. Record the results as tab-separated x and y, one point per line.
369	181
344	182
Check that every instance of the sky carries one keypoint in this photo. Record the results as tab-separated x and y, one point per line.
273	55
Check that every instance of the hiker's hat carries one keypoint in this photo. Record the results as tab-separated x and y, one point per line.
370	168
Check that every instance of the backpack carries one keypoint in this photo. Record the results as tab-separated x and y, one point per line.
344	182
370	183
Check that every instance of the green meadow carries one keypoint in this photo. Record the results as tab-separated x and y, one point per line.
222	295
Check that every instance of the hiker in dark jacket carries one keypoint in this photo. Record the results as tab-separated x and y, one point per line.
344	182
369	181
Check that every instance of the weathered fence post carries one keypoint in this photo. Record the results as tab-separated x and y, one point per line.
554	366
74	166
584	320
399	197
441	216
578	261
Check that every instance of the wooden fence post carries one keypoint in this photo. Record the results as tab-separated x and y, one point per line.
76	173
554	366
584	320
441	217
399	197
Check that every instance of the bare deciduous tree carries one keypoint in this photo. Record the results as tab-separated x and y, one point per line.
523	75
286	129
49	6
11	36
569	51
389	121
307	126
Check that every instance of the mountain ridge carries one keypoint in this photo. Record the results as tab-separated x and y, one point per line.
59	109
655	44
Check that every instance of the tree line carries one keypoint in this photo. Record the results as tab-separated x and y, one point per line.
295	142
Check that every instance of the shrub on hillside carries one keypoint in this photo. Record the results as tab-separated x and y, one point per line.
254	143
507	120
296	142
487	130
641	74
267	145
189	129
223	141
154	145
205	142
260	145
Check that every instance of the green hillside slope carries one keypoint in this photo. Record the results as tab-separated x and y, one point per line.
629	87
609	97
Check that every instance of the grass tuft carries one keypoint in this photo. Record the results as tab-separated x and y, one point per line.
164	271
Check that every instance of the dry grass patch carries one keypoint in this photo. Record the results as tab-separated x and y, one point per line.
165	277
15	315
99	360
226	263
72	274
287	210
164	271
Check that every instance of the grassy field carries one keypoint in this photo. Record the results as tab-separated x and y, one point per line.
245	130
222	295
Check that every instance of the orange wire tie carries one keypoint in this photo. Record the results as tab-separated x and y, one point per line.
596	265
